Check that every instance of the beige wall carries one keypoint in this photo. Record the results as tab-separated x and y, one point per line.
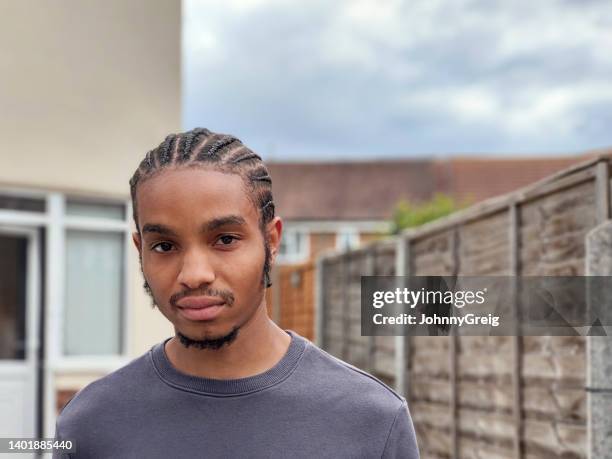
365	238
320	242
87	87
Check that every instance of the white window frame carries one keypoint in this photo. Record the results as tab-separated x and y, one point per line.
294	256
56	223
353	236
56	207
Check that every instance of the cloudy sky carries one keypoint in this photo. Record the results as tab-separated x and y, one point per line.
335	79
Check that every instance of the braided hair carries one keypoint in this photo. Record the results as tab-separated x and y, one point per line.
224	153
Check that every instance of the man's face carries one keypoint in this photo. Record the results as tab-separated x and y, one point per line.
201	242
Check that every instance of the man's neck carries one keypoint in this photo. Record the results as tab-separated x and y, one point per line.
259	345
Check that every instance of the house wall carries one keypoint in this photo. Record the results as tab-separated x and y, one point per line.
366	238
320	242
87	88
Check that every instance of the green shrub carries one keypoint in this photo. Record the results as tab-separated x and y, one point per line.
410	215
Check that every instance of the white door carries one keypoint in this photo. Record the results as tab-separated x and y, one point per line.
19	303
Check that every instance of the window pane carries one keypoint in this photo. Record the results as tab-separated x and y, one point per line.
12	296
86	209
284	245
19	203
300	243
293	247
347	240
92	321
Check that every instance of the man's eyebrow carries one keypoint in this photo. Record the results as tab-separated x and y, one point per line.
210	225
223	221
158	228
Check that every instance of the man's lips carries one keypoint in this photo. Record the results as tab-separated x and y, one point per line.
200	307
198	302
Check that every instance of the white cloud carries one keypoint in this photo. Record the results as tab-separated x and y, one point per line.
232	6
435	75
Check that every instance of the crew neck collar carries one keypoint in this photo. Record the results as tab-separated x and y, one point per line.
228	387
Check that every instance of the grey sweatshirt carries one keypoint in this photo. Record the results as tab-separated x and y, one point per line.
309	405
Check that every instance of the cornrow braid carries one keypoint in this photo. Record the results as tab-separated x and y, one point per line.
188	140
149	163
201	153
220	144
245	157
267	210
222	152
261	174
182	148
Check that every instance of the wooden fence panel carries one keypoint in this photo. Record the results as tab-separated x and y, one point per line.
486	396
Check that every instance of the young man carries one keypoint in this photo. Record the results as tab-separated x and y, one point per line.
230	383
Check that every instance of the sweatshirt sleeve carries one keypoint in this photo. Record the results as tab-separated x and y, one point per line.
401	442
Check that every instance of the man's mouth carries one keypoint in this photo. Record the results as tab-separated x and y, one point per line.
200	307
199	302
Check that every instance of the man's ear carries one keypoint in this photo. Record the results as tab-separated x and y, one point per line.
136	240
275	230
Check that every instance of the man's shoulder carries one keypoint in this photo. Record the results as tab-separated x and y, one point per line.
112	389
333	374
365	406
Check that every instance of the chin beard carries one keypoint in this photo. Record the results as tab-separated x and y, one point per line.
212	343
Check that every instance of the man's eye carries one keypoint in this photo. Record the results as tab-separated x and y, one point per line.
227	239
165	247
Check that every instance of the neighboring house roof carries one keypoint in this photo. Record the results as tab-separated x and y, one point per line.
348	190
363	190
482	178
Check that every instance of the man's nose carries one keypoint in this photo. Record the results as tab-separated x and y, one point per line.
196	270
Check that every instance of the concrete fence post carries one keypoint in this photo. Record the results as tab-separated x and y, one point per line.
517	339
401	264
599	353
